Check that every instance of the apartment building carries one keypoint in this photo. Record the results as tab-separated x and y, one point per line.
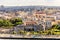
40	17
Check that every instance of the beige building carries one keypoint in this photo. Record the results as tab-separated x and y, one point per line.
22	13
30	23
51	18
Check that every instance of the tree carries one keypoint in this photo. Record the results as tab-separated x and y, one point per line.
7	23
56	26
10	23
16	21
1	22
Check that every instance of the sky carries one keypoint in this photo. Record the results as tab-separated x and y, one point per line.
30	2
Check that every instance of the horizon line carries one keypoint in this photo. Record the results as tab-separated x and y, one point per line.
28	5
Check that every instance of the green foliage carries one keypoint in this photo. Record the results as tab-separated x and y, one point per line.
22	32
14	32
55	30
10	23
56	26
16	21
7	23
1	22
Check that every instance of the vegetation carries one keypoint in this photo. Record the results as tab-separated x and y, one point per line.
55	30
14	32
16	21
10	23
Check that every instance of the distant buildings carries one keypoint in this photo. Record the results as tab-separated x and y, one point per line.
46	17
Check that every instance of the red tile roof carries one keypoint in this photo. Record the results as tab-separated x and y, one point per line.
30	22
40	12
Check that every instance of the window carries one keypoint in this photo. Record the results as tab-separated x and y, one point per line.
43	16
36	16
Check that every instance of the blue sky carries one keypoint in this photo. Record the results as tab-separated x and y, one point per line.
29	2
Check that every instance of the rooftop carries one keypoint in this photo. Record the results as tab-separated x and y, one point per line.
40	12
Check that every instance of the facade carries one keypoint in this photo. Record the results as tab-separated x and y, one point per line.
28	28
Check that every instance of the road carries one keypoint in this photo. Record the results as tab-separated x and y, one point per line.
28	36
